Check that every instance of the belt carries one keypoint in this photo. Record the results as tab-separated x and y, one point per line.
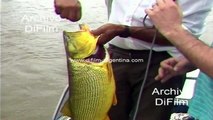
134	53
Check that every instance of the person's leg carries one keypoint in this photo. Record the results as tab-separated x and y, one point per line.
120	69
152	105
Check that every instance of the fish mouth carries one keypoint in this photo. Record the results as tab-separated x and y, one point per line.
99	56
80	44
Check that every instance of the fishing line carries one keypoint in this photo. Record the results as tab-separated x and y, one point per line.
147	67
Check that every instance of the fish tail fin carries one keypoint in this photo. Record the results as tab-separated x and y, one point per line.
66	109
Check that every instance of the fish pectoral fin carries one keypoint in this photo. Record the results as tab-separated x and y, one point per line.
107	118
114	102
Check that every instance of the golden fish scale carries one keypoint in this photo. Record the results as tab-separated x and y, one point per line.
92	90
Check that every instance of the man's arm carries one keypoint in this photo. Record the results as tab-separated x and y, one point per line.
172	67
146	34
194	50
69	9
109	31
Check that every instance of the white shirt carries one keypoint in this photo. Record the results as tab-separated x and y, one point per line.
132	12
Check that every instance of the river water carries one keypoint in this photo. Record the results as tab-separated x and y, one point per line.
33	64
33	57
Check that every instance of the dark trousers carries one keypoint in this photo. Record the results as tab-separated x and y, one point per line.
129	67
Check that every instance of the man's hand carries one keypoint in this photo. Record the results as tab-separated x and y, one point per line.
166	16
107	32
69	9
172	67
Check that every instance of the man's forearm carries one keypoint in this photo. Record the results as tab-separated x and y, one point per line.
193	49
147	35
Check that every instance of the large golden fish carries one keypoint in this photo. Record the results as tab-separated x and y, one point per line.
91	84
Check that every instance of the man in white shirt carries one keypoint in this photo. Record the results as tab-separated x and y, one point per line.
130	42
